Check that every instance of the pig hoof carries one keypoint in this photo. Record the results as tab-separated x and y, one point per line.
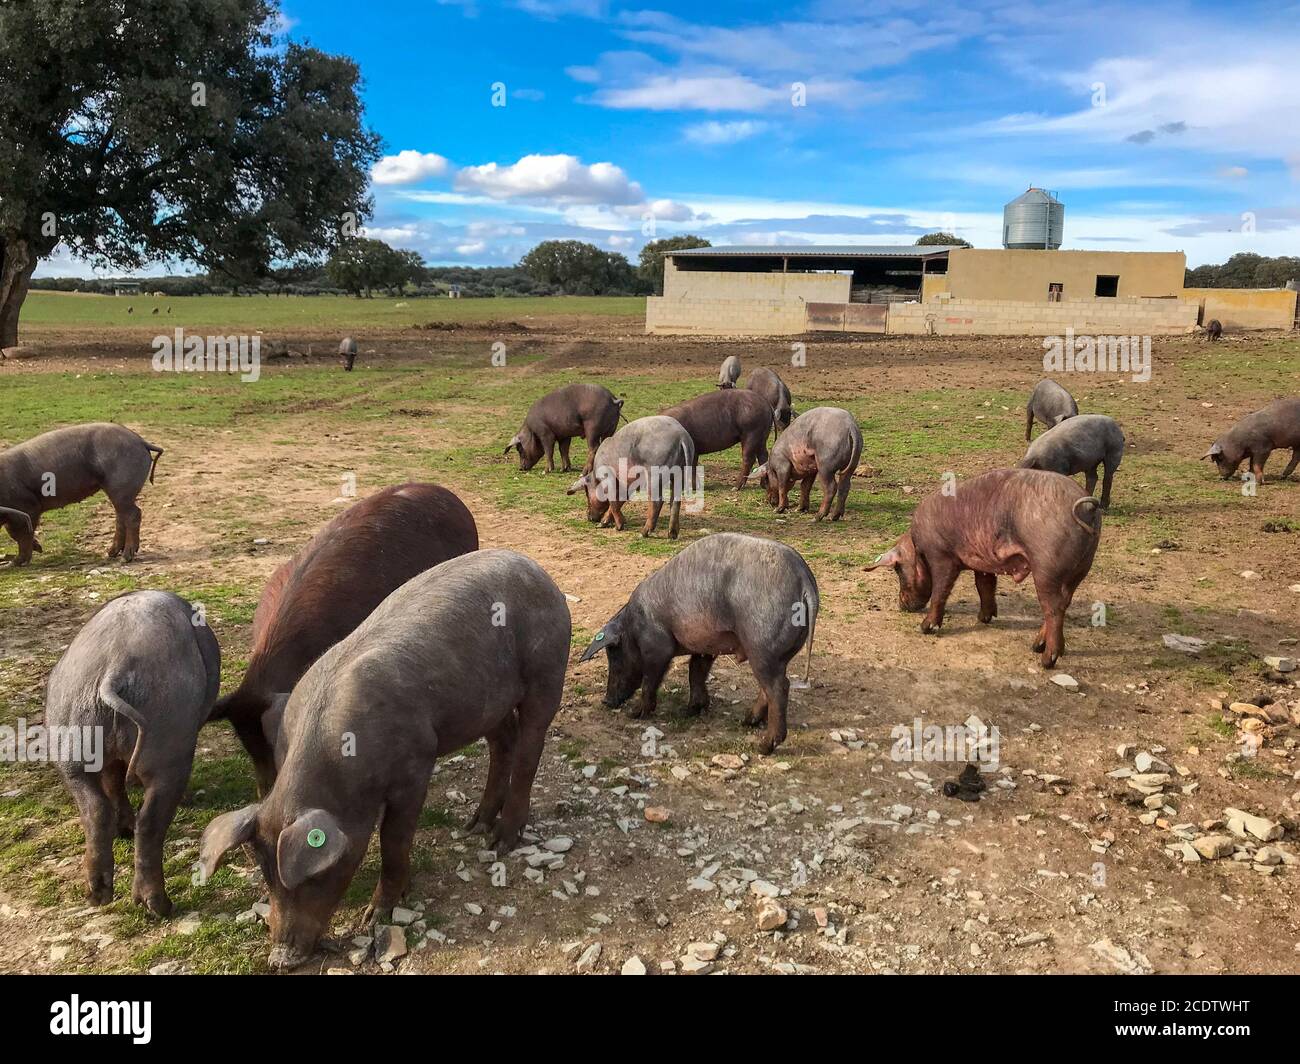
985	618
766	745
158	904
930	629
694	709
1038	646
99	893
505	838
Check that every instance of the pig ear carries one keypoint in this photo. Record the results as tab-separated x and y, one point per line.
223	834
757	474
512	444
1217	449
605	638
889	559
309	846
578	485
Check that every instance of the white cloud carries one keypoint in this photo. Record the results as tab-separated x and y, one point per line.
408	167
713	132
556	179
469	250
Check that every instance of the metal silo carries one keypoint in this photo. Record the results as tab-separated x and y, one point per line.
1035	219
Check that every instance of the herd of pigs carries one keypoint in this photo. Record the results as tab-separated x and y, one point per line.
390	638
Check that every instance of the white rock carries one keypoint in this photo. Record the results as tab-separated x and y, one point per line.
590	957
633	966
1065	681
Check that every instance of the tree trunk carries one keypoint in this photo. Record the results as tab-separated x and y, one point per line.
17	263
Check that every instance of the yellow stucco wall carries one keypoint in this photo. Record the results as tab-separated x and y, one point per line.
999	273
1246	308
989	317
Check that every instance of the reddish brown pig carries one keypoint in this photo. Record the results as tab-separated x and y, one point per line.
586	410
334	583
1013	522
1256	436
719	420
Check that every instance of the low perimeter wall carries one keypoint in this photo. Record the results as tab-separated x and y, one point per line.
1247	308
989	317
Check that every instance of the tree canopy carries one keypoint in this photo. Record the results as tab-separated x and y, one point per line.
171	130
362	265
578	268
943	238
1246	270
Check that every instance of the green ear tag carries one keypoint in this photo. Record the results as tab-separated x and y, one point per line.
600	636
315	838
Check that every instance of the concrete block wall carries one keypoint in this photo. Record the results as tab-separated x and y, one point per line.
988	317
747	287
724	317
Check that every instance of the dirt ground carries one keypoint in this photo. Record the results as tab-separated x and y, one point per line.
1053	870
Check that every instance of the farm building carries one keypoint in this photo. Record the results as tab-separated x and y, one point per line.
939	289
1028	286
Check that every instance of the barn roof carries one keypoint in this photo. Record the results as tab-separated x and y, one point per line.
821	251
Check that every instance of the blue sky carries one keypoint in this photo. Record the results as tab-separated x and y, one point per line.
1162	126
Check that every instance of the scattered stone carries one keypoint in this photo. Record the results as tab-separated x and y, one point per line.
404	917
1263	829
633	966
167	968
1066	682
559	844
188	924
590	957
771	915
731	761
1213	847
1279	664
1147	763
694	966
1032	939
1185	644
390	943
656	814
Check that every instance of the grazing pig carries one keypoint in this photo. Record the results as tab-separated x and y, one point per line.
719	420
825	444
65	466
724	594
1017	522
1258	435
651	454
1050	404
772	388
348	352
729	372
143	674
1213	329
329	587
475	647
586	410
1079	445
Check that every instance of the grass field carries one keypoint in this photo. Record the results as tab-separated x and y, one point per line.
45	310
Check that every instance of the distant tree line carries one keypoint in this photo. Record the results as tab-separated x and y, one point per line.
1246	271
362	267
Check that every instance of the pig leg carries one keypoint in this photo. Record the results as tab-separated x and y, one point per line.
26	544
501	752
987	585
616	509
119	536
652	516
843	483
396	836
113	780
776	687
162	795
675	516
654	666
805	492
757	713
564	455
548	445
259	750
535	714
700	666
1029	423
825	481
1051	640
1106	482
97	820
1090	480
1290	466
944	573
1257	461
